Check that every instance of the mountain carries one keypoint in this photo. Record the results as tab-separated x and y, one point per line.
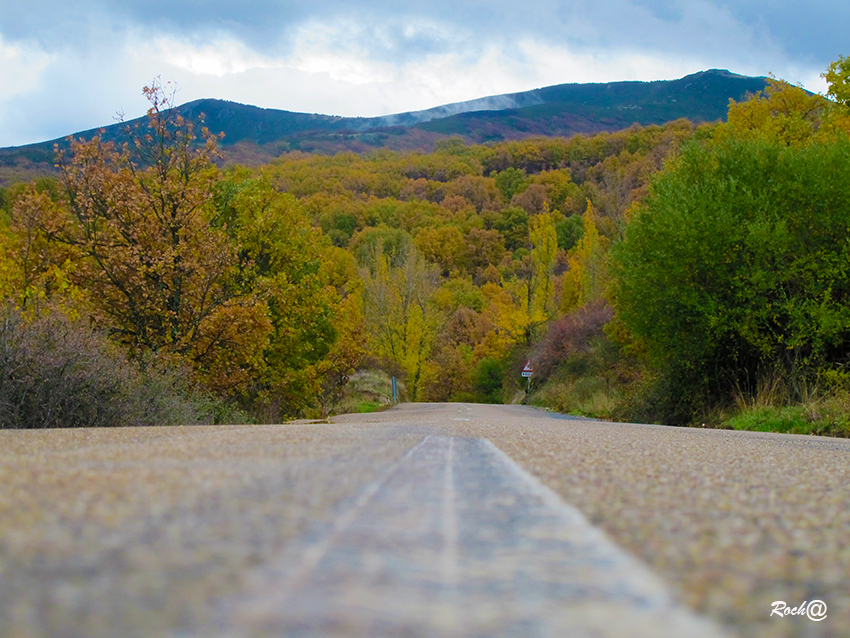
568	109
254	135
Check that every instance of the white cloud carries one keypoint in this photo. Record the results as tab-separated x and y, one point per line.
338	50
220	55
371	58
21	66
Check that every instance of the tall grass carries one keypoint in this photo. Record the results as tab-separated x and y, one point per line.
774	407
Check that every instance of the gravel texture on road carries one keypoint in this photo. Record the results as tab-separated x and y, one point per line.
455	540
144	532
159	531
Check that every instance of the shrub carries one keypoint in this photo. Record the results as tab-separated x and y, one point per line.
736	267
487	380
58	372
569	336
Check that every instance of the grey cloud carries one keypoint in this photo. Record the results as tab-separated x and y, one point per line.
809	32
89	38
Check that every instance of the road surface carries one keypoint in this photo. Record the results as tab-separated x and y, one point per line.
425	520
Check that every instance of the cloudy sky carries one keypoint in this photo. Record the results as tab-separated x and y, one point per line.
69	66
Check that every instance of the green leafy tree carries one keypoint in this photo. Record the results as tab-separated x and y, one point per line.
569	231
510	182
311	289
487	380
736	267
513	224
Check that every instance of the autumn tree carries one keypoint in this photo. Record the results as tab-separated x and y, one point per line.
837	75
34	274
585	278
443	245
544	248
506	312
312	292
401	317
782	111
157	265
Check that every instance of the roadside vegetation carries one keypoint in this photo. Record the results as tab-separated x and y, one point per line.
678	274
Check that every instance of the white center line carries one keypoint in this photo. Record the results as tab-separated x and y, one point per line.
456	540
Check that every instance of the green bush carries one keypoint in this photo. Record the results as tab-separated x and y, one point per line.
487	380
771	419
736	267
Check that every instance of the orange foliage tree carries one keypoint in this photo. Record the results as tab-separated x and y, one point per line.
160	270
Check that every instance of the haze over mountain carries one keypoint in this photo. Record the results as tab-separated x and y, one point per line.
254	135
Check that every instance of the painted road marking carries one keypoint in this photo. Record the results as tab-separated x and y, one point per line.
455	539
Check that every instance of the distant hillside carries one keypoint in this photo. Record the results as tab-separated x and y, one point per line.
568	109
254	135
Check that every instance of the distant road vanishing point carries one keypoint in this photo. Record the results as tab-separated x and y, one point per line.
425	520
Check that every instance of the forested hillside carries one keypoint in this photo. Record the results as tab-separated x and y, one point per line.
671	273
254	136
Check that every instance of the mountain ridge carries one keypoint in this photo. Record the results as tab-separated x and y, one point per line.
255	135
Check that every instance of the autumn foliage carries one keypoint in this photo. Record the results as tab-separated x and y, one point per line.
146	243
665	262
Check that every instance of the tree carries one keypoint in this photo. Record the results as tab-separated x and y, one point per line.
312	291
736	267
585	278
33	273
782	111
513	224
159	267
569	231
837	76
443	245
541	285
506	312
402	320
510	182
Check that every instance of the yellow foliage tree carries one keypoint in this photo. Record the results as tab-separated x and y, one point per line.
507	314
782	111
402	320
544	250
443	245
585	277
34	274
837	76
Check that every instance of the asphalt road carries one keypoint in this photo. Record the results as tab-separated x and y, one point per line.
425	520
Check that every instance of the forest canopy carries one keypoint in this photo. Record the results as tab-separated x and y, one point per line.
657	272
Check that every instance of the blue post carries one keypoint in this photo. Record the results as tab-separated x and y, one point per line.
395	391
